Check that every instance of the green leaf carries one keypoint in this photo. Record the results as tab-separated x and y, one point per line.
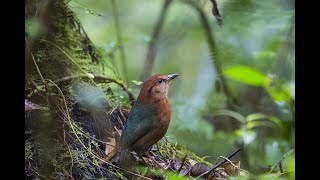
137	82
247	75
291	167
256	116
260	116
253	124
171	175
237	178
144	171
276	120
273	176
281	93
233	114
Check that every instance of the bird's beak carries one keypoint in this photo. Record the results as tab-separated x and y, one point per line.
172	76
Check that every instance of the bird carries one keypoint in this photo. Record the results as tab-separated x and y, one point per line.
149	117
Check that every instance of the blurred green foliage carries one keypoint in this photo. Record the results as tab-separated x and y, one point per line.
247	75
256	49
34	28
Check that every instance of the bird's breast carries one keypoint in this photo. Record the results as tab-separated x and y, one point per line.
163	115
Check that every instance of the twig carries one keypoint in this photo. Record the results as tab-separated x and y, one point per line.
34	84
219	164
72	163
91	137
152	46
119	38
119	166
280	167
98	77
182	163
120	83
212	46
40	75
237	167
279	162
67	112
216	13
122	115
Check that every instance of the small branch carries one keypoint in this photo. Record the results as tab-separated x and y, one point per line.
279	162
104	78
118	166
212	46
91	137
152	46
280	167
216	13
217	165
120	83
237	167
97	77
40	75
182	163
68	116
119	39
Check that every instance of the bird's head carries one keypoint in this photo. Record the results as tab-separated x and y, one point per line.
155	88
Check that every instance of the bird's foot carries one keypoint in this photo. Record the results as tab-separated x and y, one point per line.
142	159
152	156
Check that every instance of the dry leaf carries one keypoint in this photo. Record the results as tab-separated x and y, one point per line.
28	106
199	168
192	162
184	172
110	149
232	169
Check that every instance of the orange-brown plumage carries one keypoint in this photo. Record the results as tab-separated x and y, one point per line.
149	118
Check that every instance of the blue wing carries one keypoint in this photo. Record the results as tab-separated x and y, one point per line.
138	124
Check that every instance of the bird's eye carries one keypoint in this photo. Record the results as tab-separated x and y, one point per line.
159	81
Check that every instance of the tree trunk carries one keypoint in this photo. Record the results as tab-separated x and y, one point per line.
57	51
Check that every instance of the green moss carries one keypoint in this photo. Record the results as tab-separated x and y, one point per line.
178	151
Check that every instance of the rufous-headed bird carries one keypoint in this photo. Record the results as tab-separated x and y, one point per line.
149	118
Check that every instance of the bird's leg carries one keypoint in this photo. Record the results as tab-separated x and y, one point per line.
152	153
141	157
152	157
159	157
